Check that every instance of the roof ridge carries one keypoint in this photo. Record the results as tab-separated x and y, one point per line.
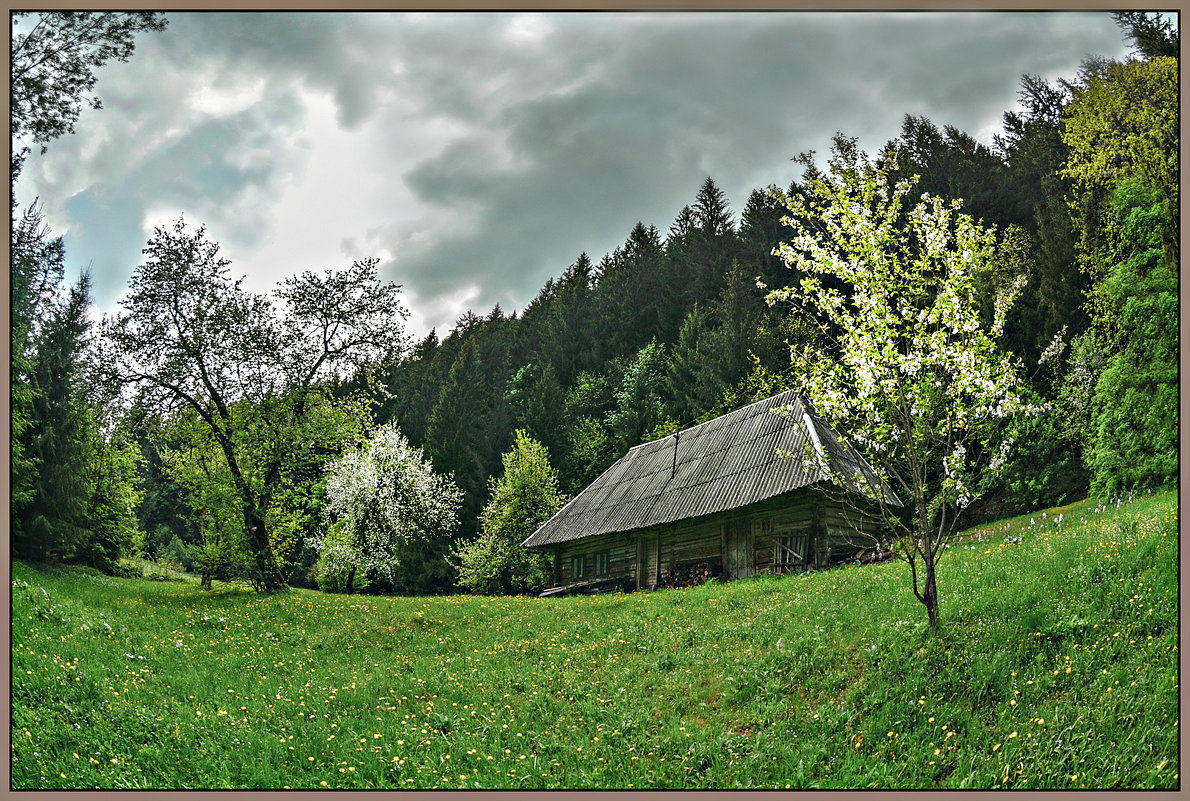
796	396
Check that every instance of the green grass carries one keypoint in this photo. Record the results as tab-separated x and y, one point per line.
1057	667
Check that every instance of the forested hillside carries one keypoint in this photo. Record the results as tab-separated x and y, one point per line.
667	330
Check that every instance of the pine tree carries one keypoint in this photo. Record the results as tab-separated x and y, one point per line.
632	295
686	387
639	399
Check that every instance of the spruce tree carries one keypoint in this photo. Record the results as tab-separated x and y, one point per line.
52	519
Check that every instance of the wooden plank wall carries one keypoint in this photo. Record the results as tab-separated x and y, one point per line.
621	556
832	528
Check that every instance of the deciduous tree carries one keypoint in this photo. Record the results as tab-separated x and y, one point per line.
524	497
53	64
1123	123
1134	441
192	338
912	376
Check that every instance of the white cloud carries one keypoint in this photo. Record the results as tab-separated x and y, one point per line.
438	312
221	101
526	29
159	217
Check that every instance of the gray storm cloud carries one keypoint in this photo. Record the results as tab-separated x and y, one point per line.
490	149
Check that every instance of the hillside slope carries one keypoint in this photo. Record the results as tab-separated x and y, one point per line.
1057	667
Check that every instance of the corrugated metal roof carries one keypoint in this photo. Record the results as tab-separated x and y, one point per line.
721	464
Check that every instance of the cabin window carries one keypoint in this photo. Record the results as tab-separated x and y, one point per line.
578	567
601	563
792	548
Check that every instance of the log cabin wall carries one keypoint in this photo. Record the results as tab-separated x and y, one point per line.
621	555
802	530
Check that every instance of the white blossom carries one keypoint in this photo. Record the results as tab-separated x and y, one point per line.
384	495
913	368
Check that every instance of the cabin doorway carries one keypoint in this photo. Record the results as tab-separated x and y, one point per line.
646	569
737	550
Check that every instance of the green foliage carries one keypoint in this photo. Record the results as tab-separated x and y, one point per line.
1135	438
112	525
1064	635
589	452
633	300
537	402
686	381
177	554
639	404
249	368
1045	469
524	497
470	423
952	165
1123	122
1152	34
37	263
50	515
189	458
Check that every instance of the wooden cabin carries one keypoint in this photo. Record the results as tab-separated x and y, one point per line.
744	493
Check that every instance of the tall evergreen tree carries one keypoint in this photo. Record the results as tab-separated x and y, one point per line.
687	390
37	266
760	231
1151	34
570	323
639	399
411	386
632	295
52	519
1032	148
471	421
713	241
952	165
537	404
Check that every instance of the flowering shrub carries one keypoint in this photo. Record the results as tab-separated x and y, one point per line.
382	495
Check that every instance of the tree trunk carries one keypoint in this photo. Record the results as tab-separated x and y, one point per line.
930	596
266	564
350	580
206	574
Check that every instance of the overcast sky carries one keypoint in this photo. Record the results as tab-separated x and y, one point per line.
478	154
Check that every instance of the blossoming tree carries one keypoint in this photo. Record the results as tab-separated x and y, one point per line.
382	496
912	375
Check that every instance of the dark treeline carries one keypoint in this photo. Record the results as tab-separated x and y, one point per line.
672	328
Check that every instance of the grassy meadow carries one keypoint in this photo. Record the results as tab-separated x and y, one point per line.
1057	667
